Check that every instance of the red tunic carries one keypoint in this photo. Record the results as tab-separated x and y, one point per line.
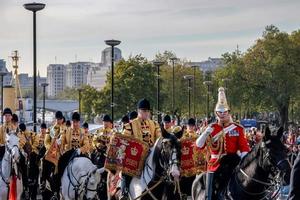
234	141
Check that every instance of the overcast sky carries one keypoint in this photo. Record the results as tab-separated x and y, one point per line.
193	29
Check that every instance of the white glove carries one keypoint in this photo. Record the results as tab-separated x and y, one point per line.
175	172
78	151
208	130
202	138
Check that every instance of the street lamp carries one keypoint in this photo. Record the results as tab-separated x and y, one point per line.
44	85
189	78
34	7
2	74
112	43
173	59
194	91
208	83
79	100
158	64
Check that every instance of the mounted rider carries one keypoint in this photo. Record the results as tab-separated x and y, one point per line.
144	129
52	143
30	171
223	139
190	132
8	127
74	142
102	136
167	122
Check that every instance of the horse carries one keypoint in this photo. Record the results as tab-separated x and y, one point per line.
8	165
80	179
156	181
256	176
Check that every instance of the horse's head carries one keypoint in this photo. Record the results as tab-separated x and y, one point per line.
274	154
168	155
12	146
91	183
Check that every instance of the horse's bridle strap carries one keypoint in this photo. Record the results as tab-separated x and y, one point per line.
148	190
254	179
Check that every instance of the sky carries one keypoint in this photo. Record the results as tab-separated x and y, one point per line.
75	30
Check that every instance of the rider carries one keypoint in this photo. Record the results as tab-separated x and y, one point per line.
6	128
30	151
73	140
102	135
52	144
167	123
142	128
223	139
190	132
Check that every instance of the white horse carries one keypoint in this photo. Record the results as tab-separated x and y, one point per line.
9	162
80	179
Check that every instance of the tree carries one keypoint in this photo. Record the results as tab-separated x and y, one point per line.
268	74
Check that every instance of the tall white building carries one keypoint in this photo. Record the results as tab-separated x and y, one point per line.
106	56
76	74
55	79
96	77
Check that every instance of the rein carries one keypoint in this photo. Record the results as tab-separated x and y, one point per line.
7	182
77	185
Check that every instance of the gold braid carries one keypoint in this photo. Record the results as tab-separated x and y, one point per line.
219	146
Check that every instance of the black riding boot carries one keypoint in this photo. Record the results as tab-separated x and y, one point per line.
209	185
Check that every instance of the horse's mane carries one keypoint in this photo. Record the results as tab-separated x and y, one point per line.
252	155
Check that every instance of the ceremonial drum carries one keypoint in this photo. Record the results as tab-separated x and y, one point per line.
192	158
126	154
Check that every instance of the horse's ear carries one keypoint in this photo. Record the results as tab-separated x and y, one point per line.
267	134
164	133
279	132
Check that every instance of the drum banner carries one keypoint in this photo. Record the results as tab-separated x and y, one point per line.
126	154
192	158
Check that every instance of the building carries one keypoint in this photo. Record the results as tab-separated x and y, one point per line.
208	65
55	79
96	77
8	76
76	74
106	56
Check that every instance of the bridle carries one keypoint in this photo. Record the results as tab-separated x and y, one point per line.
275	169
10	151
78	185
165	163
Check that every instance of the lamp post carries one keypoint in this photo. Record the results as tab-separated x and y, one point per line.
158	64
44	85
194	91
173	59
79	100
34	7
112	43
208	83
189	78
2	74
